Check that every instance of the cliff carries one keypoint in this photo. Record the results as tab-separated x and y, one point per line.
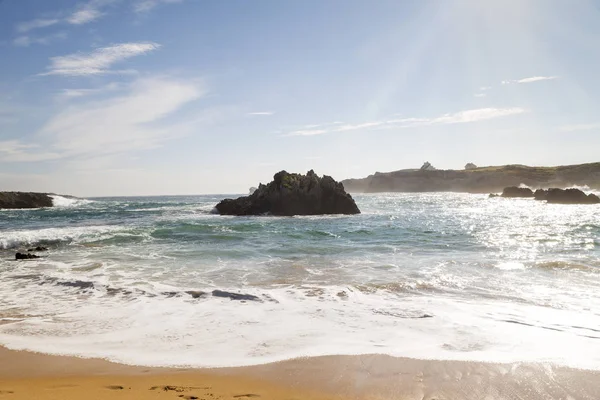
24	200
477	180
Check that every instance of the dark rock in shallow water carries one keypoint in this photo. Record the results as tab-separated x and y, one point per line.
540	194
234	296
24	200
293	194
515	191
493	195
38	248
25	256
570	196
196	294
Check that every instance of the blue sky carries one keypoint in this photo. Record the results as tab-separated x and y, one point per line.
135	97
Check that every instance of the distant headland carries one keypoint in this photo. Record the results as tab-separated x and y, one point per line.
473	179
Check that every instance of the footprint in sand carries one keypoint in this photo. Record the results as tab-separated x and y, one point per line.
6	392
237	396
115	387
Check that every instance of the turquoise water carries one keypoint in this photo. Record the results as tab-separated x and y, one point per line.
444	276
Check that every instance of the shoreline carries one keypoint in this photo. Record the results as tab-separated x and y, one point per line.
34	375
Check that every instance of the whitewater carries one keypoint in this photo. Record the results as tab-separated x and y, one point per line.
429	276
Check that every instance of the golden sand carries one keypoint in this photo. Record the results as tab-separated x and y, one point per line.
26	375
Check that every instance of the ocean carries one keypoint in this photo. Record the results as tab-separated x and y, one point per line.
429	276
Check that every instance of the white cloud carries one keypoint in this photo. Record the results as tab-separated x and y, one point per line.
24	27
530	79
25	40
481	114
88	12
266	113
127	122
15	151
78	93
484	88
84	16
579	127
462	117
480	95
98	61
308	132
142	6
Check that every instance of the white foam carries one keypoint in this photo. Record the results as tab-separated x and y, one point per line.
62	202
13	239
216	332
510	265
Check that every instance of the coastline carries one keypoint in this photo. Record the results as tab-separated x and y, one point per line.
25	375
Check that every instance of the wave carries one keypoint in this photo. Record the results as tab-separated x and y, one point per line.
67	202
52	236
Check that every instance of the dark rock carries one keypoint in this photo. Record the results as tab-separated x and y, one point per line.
76	284
234	296
25	256
38	248
540	194
293	194
493	195
196	294
515	191
24	200
570	196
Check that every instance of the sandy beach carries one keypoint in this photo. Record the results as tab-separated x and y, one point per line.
25	375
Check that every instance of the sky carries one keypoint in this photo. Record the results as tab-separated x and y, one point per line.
151	97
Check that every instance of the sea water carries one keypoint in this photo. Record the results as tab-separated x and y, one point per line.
430	276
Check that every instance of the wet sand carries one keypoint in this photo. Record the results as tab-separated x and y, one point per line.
25	375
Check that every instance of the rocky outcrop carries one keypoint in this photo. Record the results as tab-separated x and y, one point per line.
24	200
478	180
38	248
570	196
514	191
553	195
540	194
25	256
293	194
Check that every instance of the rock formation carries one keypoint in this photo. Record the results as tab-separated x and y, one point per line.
514	191
293	194
25	256
24	200
554	195
570	196
540	194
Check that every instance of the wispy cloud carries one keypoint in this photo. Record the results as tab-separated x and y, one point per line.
530	80
88	12
97	62
480	95
27	26
263	113
84	16
126	122
15	151
462	117
142	6
484	88
85	13
579	127
26	40
66	94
